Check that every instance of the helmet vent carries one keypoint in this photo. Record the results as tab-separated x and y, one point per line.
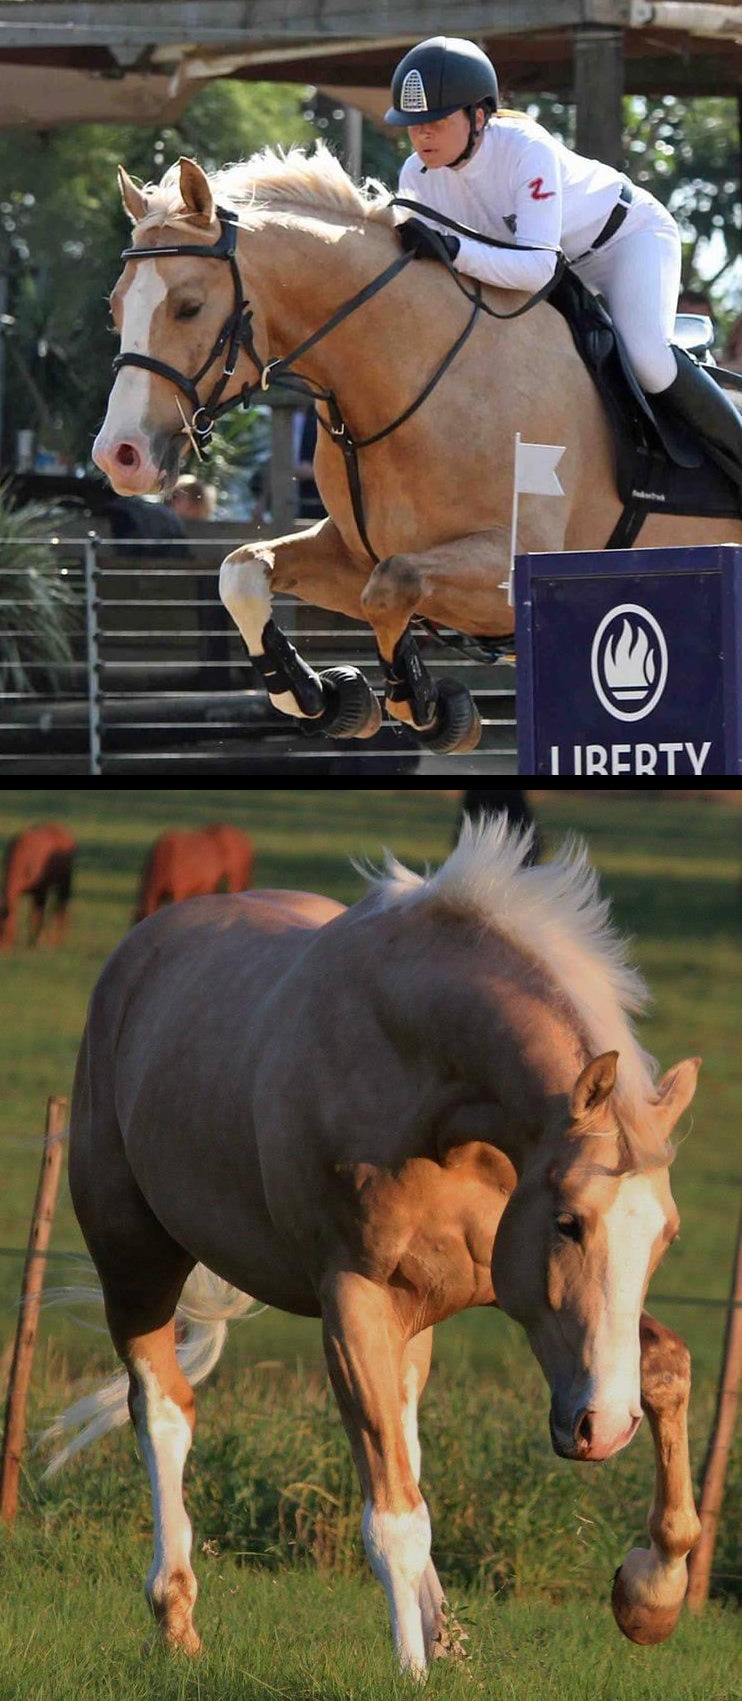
413	93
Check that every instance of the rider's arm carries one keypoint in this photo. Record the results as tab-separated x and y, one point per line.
537	206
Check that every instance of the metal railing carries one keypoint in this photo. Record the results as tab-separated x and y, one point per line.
158	672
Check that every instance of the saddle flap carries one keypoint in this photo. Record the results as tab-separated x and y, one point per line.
605	356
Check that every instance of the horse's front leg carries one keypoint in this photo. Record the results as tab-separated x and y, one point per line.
315	566
459	585
364	1346
649	1588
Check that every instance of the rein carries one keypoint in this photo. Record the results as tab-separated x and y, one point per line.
236	333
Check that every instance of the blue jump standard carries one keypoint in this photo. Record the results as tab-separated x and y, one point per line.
629	661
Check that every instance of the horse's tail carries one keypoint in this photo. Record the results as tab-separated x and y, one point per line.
205	1307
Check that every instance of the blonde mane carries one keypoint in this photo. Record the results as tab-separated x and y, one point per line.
554	913
275	181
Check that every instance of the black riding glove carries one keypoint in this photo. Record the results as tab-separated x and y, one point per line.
426	244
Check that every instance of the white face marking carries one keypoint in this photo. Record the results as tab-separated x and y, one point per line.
631	1225
164	1437
398	1548
129	399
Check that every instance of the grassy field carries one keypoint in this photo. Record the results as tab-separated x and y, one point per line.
526	1543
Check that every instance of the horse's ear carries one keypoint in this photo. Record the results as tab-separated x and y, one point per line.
592	1088
675	1091
196	192
135	203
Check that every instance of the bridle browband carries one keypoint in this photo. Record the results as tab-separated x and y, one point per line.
236	333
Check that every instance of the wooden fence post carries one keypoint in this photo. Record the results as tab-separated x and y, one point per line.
28	1317
715	1464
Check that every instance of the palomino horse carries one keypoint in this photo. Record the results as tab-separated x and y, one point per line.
416	474
188	864
382	1116
38	863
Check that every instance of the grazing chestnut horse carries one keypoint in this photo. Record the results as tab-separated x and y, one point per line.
38	862
416	474
382	1116
185	864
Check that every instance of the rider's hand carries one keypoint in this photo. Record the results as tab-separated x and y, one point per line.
426	244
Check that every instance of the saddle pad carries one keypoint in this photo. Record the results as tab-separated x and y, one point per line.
660	464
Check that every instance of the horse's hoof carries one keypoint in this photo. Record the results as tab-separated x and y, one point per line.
457	727
640	1621
353	710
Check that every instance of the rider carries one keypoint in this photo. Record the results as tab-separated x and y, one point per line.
502	174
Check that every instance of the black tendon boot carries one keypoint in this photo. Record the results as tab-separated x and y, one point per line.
701	402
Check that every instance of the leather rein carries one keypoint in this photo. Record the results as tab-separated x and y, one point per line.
236	334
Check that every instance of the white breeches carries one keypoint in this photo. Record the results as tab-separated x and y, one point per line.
638	273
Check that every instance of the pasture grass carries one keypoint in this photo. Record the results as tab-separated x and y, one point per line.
74	1628
525	1541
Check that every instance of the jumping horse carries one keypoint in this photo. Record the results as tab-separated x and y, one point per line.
38	863
188	864
281	271
382	1116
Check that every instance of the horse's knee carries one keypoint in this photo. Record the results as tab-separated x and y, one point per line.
665	1367
394	584
244	587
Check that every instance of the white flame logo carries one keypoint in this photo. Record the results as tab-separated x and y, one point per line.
629	662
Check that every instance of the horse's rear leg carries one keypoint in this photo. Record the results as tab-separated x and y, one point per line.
162	1406
61	894
36	916
142	1271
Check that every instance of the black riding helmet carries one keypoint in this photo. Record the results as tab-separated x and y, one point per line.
438	77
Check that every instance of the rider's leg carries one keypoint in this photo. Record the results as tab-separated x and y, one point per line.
638	272
697	398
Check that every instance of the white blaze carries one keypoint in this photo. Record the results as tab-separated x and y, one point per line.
129	399
631	1225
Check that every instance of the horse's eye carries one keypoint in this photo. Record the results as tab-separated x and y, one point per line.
188	309
569	1227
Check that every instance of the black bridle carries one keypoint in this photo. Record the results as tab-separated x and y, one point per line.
236	333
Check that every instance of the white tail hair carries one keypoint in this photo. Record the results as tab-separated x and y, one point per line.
207	1304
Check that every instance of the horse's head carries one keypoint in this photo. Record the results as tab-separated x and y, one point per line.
172	310
580	1238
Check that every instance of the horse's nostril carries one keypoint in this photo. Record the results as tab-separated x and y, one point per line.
584	1428
127	455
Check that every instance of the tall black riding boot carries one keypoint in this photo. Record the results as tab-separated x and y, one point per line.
701	402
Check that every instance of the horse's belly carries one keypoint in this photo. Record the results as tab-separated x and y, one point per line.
202	1180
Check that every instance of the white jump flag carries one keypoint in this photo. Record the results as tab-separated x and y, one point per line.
535	476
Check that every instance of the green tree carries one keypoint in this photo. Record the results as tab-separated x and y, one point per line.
62	228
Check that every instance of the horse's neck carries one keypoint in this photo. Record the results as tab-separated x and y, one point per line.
302	274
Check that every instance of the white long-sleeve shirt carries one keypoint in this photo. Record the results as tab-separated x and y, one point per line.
521	185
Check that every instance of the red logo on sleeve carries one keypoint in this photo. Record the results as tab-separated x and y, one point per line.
538	193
